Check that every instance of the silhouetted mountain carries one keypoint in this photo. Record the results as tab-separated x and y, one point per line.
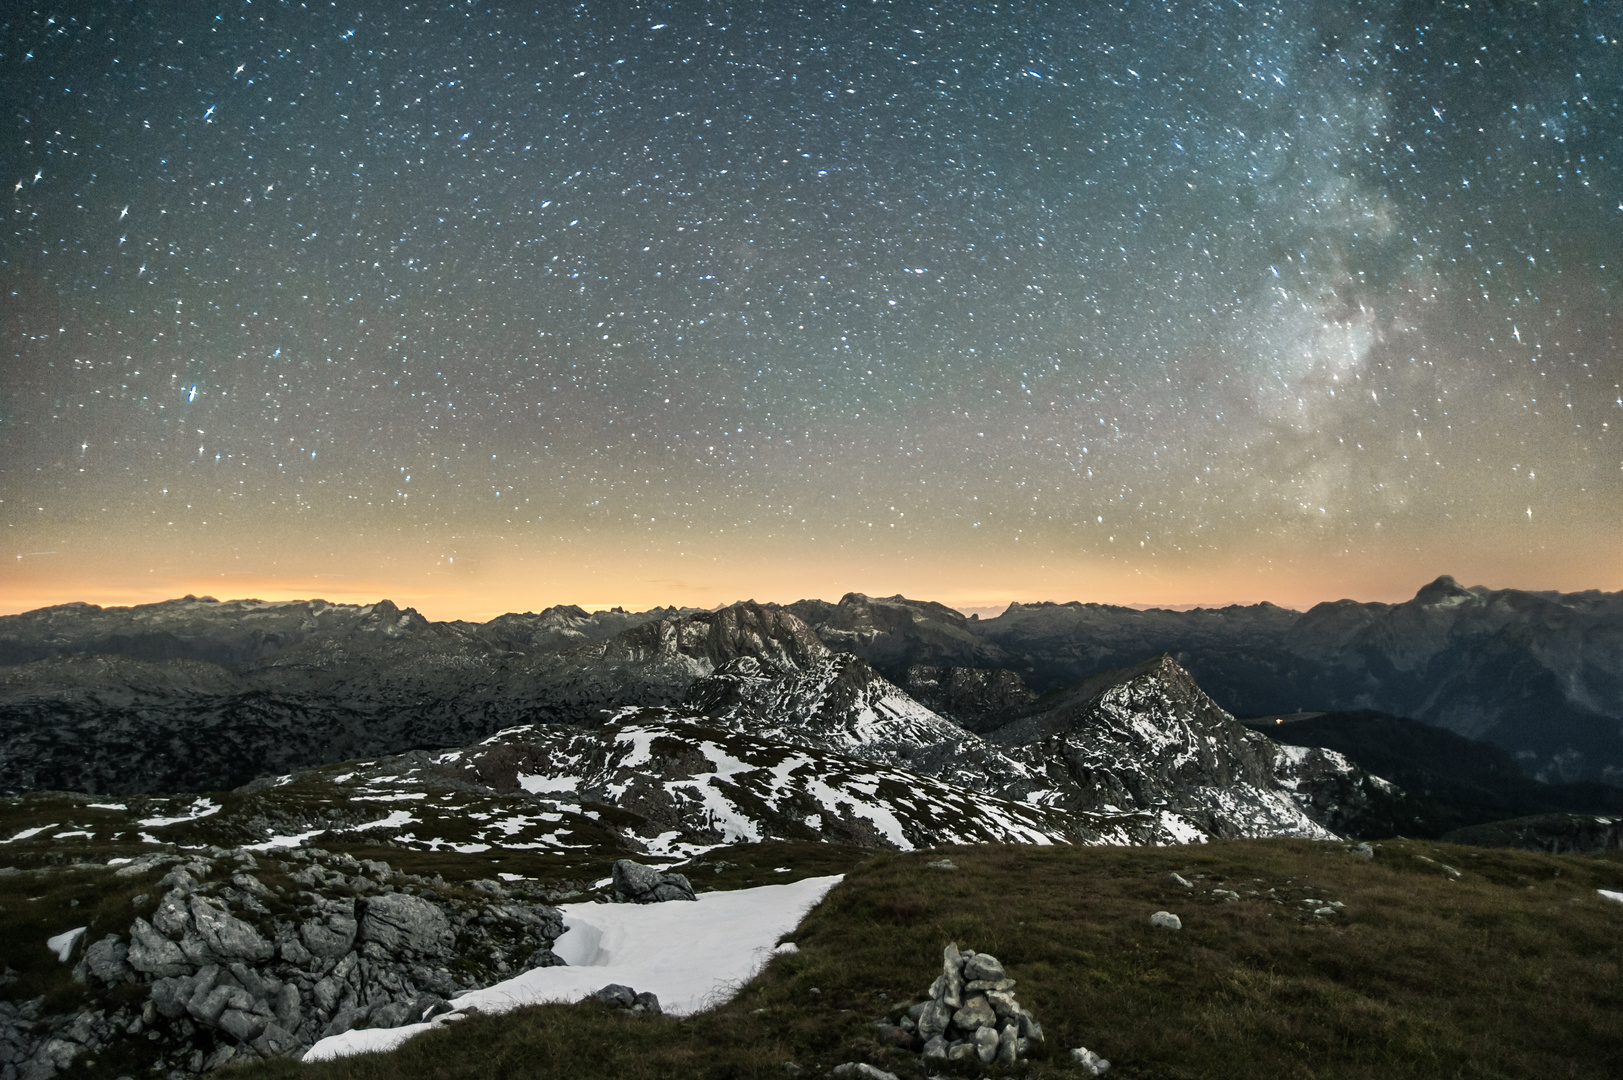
1467	781
1537	673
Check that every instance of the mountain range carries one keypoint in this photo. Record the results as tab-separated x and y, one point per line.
1077	721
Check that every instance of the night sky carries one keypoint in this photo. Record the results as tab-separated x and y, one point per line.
486	308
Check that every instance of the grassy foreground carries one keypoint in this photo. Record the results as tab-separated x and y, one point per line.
1442	962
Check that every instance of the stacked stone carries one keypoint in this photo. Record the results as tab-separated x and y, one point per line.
972	1014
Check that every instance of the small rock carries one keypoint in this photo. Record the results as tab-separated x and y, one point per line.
791	1069
976	1013
863	1069
1179	879
983	967
645	885
1007	1039
1092	1063
1325	911
616	994
1364	851
941	864
934	1018
1167	921
986	1042
936	1049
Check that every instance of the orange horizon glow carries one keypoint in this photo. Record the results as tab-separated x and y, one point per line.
511	578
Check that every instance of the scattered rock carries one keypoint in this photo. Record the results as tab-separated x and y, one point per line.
1166	920
1179	879
1363	851
1092	1063
942	864
213	978
862	1069
624	997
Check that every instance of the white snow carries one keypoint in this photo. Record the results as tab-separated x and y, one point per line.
108	806
393	821
693	955
1608	894
202	808
537	785
62	944
275	842
35	831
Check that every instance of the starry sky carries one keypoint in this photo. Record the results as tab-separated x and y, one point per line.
485	308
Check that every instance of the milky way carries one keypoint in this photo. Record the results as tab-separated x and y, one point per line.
662	301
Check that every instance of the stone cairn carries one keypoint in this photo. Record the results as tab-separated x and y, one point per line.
972	1015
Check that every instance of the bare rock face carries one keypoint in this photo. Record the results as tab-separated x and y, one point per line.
402	923
212	977
977	699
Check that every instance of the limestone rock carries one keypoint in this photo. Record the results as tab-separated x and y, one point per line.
226	936
645	885
400	922
106	960
334	937
983	967
975	1013
986	1040
1166	920
153	953
1091	1063
864	1070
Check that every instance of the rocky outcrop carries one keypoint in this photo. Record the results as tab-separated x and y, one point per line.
644	885
357	682
894	633
976	699
229	964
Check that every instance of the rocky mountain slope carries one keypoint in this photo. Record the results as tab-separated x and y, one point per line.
338	684
1537	673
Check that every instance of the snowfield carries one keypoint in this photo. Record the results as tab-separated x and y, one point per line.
693	955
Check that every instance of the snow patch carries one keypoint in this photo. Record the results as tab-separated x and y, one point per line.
693	955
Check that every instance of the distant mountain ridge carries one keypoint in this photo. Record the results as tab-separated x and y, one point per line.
1537	673
196	693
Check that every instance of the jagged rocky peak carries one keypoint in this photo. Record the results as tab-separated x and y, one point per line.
1158	687
1446	592
712	638
893	633
978	699
839	698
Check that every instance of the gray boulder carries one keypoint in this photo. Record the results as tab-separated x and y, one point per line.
975	1014
332	938
404	923
645	885
106	960
224	935
983	967
153	953
1166	921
